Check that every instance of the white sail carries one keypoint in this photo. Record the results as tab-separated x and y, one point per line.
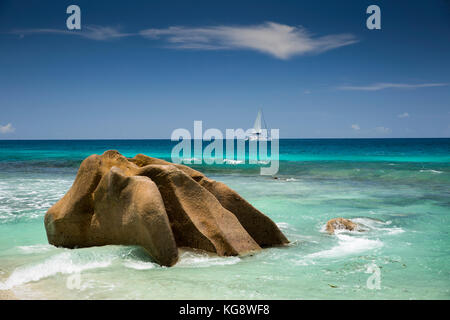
257	126
258	133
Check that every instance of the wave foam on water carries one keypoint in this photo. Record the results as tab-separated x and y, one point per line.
63	263
378	225
29	199
348	245
368	225
37	248
188	259
231	161
354	242
285	226
140	265
431	171
192	259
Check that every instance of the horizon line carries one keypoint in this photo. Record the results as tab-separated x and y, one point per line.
143	139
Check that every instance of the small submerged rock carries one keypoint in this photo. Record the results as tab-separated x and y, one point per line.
340	224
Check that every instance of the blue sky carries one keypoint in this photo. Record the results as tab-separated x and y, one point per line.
140	69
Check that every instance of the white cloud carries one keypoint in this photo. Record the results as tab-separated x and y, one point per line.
8	128
279	40
403	115
103	33
381	86
88	32
383	130
355	127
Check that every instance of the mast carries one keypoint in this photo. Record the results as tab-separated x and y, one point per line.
265	125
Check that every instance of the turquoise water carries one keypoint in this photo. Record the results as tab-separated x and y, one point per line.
396	189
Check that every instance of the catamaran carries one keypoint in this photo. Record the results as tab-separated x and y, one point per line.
259	133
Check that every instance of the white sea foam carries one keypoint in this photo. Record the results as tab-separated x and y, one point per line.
377	225
63	263
285	226
29	199
202	259
431	171
367	225
348	245
304	262
291	179
188	258
37	248
370	223
234	162
395	230
139	265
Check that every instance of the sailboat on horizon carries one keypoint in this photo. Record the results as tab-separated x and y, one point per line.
258	132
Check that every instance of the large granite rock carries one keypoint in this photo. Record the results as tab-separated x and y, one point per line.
109	204
130	210
262	229
198	219
158	205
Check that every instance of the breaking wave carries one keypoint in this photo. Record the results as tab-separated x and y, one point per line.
63	263
348	245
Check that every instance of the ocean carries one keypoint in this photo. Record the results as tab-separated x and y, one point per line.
398	190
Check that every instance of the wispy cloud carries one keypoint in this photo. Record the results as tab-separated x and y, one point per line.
8	128
403	115
383	130
355	127
278	40
381	86
89	32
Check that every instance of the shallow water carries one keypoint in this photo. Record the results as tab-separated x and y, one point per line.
396	190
